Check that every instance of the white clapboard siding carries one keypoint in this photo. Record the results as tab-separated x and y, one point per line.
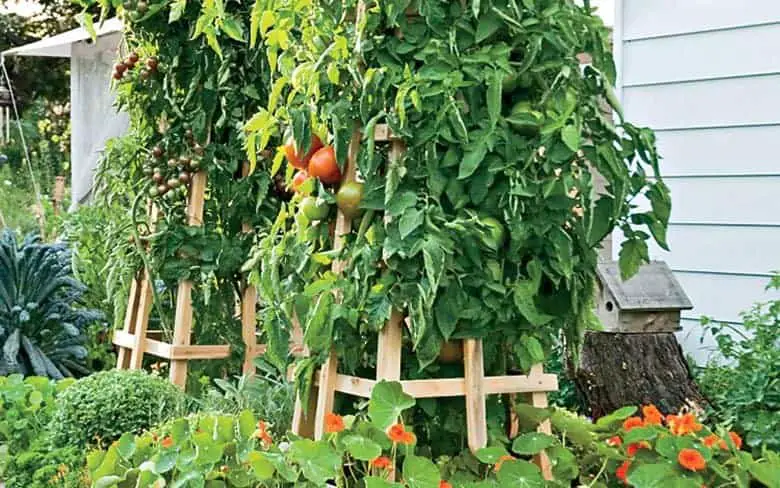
714	103
729	53
705	74
652	18
739	150
752	250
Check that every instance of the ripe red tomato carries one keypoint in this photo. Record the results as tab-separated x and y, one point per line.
298	180
294	155
323	165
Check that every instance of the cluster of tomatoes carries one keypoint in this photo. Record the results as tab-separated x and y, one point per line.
177	173
129	64
320	163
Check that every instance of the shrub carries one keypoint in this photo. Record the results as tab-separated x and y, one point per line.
98	409
42	329
743	385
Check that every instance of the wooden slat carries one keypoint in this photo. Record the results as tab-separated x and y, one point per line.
182	330
141	322
123	355
382	133
150	346
539	400
199	352
326	394
388	363
303	418
476	414
249	327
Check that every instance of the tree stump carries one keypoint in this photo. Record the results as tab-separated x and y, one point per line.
617	370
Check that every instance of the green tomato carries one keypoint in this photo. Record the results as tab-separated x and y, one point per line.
349	197
314	208
495	235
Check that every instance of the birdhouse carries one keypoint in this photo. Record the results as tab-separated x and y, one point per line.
650	301
6	102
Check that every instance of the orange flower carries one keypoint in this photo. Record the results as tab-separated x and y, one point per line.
396	433
622	472
444	484
632	423
652	415
382	462
167	442
632	449
333	423
683	424
736	439
691	459
501	462
263	435
615	441
712	440
408	438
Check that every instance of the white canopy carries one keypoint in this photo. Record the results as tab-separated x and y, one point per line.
59	46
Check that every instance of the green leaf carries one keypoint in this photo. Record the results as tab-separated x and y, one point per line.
494	91
640	434
165	461
475	8
388	401
532	443
491	455
601	220
520	474
617	416
488	25
376	482
177	10
86	21
410	221
233	28
126	445
661	476
362	448
262	468
571	137
246	424
420	472
318	461
633	253
108	481
766	473
471	160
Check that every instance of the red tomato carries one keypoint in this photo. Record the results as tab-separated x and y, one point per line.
294	156
323	165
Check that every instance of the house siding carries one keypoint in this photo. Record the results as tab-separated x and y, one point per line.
705	75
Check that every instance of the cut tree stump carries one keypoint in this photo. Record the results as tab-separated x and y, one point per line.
617	370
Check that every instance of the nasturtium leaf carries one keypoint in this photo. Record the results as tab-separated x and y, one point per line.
662	475
532	443
491	455
126	445
571	137
640	434
520	474
420	472
246	424
362	448
108	481
164	462
616	416
766	473
388	401
318	461
564	463
377	482
262	468
188	478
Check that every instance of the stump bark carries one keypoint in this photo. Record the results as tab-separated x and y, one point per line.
617	370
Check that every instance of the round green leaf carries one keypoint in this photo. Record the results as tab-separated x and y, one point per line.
362	448
532	443
520	474
388	401
420	472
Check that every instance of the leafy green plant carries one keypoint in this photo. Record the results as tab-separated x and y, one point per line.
376	448
743	383
42	328
100	408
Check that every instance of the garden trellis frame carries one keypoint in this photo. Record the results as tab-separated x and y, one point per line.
309	420
135	339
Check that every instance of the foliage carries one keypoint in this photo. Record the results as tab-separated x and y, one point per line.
100	408
27	459
267	396
743	384
41	327
367	450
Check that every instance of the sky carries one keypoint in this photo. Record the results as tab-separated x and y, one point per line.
606	8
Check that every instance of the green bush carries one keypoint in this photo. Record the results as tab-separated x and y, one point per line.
100	408
743	384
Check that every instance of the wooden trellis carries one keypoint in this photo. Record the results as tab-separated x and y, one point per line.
135	339
474	385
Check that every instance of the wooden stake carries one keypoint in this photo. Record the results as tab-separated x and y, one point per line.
474	374
248	309
141	322
388	361
123	356
539	400
182	329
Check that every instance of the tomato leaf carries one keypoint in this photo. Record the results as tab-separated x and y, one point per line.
471	160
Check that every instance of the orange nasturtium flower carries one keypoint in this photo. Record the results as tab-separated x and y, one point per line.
333	423
262	433
615	441
736	439
167	442
712	440
652	415
622	472
445	484
632	449
382	462
632	423
396	433
691	459
501	462
683	424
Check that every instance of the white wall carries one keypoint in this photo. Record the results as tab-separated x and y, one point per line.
705	74
93	117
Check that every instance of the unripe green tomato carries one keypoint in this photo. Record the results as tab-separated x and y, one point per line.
495	235
314	208
349	197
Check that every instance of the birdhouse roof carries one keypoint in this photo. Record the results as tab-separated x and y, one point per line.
654	287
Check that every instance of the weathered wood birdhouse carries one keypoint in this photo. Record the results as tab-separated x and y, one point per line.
650	301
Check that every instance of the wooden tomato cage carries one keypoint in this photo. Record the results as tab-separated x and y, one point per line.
309	420
135	339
